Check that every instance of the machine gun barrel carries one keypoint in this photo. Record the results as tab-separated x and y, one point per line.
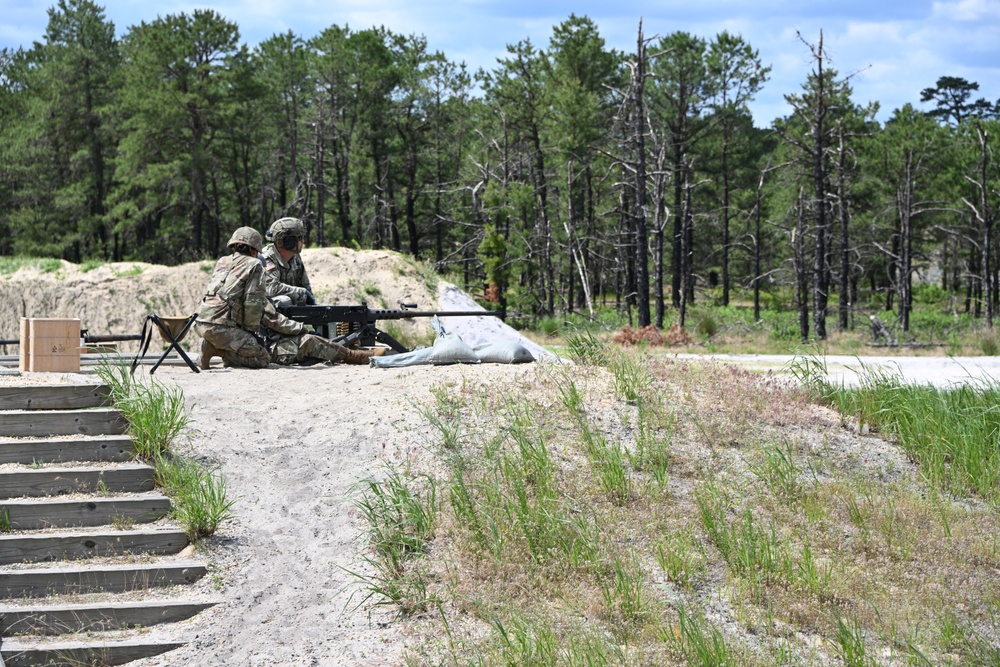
319	314
357	324
88	338
404	314
107	338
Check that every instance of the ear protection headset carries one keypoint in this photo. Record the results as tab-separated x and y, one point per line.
289	242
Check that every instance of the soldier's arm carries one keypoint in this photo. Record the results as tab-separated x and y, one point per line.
305	278
275	321
274	287
254	299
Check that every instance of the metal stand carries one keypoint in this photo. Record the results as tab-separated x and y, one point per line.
171	334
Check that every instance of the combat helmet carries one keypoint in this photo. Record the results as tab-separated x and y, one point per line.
247	236
286	232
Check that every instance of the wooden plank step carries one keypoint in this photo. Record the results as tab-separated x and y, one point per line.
56	619
17	653
40	423
124	477
59	513
100	448
98	579
38	548
54	396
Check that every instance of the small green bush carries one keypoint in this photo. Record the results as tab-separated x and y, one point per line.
133	270
550	326
49	265
989	344
156	415
706	325
929	293
401	520
585	348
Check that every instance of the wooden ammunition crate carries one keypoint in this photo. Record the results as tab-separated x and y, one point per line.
50	345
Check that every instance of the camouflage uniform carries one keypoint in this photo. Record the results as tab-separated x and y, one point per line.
281	278
295	349
234	308
231	311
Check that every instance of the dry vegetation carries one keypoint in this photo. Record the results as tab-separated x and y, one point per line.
648	512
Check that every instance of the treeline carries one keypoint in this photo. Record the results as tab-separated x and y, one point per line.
563	178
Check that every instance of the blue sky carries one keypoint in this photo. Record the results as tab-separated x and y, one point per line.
893	48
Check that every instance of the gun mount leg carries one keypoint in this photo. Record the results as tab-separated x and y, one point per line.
383	337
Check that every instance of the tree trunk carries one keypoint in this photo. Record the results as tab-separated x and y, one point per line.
411	202
820	271
845	251
687	288
756	253
320	164
725	216
641	232
801	277
987	223
659	226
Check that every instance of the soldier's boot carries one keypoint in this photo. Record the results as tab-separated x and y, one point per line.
207	352
362	357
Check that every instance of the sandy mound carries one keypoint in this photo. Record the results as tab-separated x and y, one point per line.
116	298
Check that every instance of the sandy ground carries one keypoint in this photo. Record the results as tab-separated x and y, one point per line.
292	444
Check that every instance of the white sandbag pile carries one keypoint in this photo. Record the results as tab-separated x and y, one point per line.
479	331
503	352
448	348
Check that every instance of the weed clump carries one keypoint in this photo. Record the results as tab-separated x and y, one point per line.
157	416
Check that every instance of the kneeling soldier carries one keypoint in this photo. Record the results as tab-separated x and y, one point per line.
235	308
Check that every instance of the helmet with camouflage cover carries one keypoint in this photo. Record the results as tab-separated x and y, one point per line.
286	233
247	236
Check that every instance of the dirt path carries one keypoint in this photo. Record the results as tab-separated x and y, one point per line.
937	371
291	443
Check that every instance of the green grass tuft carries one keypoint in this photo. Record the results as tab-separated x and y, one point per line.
199	496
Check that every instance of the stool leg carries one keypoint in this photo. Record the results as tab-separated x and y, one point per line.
174	343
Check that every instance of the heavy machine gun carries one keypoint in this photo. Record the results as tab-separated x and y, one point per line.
358	324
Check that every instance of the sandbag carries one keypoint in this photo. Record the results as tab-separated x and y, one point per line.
503	352
414	358
448	348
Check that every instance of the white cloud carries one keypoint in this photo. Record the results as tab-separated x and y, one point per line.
967	10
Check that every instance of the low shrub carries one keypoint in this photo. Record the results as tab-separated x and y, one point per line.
651	335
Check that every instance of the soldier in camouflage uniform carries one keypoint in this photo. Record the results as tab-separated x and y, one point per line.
234	308
285	278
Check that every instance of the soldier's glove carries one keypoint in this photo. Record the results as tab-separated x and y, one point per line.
310	299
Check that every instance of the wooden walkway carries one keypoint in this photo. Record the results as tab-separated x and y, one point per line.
83	535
